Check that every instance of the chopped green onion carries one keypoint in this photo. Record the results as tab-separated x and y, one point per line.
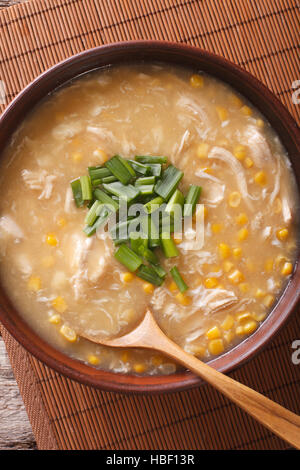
154	169
77	193
127	165
178	279
139	167
86	187
153	233
148	254
146	189
153	205
128	258
108	179
110	203
127	193
148	274
101	220
145	181
137	240
96	182
168	245
119	170
93	213
176	201
169	182
150	159
159	270
191	200
98	172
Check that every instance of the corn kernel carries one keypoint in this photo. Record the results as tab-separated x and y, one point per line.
236	101
196	81
269	264
68	333
127	277
243	316
172	286
248	163
277	206
148	288
242	234
237	252
268	300
157	360
202	150
183	299
259	293
239	330
216	228
260	123
227	266
249	327
224	250
51	239
239	152
48	261
139	368
228	323
244	287
99	153
128	314
213	333
260	178
222	113
228	336
198	350
59	304
287	269
216	346
279	260
93	360
210	283
241	219
236	277
246	110
125	356
34	283
177	241
260	316
234	199
61	222
77	157
282	234
55	319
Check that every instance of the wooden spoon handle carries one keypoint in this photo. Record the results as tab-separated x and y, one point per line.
278	419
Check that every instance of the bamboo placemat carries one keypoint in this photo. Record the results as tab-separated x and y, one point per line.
263	37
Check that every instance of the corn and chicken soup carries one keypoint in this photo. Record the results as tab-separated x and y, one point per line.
65	279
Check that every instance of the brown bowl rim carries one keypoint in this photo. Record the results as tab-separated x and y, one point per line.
267	103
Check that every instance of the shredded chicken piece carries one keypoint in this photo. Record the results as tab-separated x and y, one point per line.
39	180
67	130
102	132
9	227
214	189
259	149
227	157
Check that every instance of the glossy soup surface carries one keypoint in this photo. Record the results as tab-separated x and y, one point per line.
58	278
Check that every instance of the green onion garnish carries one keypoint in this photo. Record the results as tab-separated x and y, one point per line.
77	193
138	241
86	187
191	200
146	189
150	159
127	193
148	274
178	279
128	258
145	181
100	221
119	170
175	203
108	179
169	182
98	172
139	167
109	202
153	205
168	245
159	270
154	169
93	213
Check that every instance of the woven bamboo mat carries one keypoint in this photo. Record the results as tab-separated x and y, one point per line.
263	37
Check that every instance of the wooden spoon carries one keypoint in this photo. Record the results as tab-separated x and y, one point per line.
148	335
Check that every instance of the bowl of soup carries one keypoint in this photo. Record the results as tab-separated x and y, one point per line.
144	123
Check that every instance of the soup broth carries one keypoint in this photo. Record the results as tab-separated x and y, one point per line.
64	282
